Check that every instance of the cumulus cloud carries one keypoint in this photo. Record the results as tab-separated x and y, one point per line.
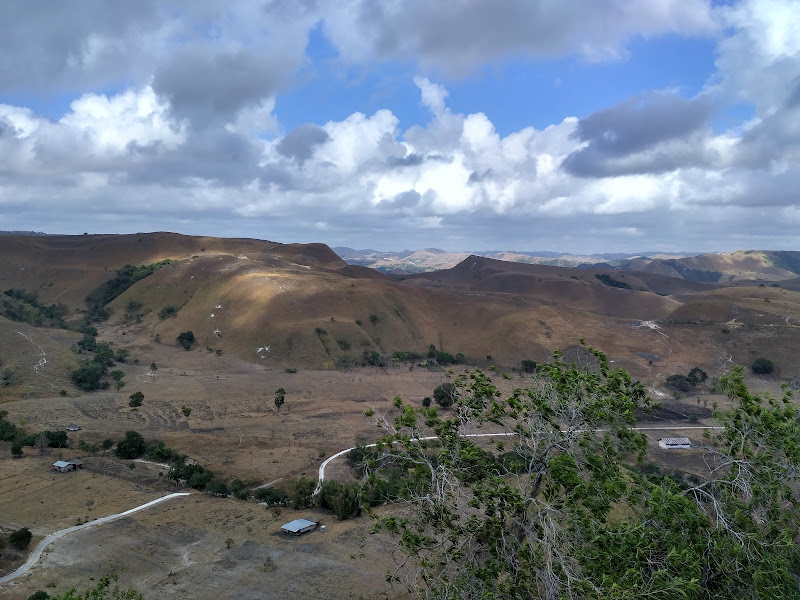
299	143
184	126
457	37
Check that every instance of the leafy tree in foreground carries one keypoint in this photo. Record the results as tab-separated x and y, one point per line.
107	588
556	511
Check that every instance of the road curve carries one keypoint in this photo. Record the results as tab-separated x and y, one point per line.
321	475
37	551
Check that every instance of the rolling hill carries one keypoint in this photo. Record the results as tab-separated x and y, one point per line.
295	305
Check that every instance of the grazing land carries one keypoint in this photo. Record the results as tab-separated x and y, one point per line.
267	316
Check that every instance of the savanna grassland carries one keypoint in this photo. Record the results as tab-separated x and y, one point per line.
267	316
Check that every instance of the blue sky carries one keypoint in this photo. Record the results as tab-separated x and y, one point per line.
577	125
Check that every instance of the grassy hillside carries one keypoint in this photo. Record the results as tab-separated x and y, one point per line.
300	306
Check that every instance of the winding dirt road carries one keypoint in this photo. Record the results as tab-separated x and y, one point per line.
37	551
321	476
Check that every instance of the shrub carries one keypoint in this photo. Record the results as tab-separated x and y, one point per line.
186	339
763	366
272	496
611	282
343	344
445	394
168	311
136	399
679	382
20	538
218	489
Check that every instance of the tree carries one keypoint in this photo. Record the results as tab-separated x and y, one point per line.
559	509
131	447
344	499
763	366
445	394
426	401
697	376
116	374
16	449
280	397
679	382
186	411
20	538
300	492
87	375
136	399
186	339
153	369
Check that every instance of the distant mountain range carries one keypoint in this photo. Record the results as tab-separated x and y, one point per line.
750	265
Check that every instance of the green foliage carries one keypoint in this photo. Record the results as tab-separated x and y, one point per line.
272	496
116	374
132	446
426	402
374	358
763	366
136	399
445	394
107	588
186	339
300	492
679	382
16	449
114	287
697	376
87	375
343	344
8	377
290	370
8	431
374	319
24	307
168	311
219	489
556	512
194	475
404	355
159	452
186	410
280	398
611	282
344	499
20	538
39	595
528	366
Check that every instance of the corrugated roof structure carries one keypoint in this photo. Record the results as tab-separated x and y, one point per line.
675	442
299	526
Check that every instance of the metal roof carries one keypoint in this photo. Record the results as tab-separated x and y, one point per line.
298	525
61	464
676	441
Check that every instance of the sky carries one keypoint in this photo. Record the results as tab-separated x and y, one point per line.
579	126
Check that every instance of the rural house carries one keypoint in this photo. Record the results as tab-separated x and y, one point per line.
63	466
